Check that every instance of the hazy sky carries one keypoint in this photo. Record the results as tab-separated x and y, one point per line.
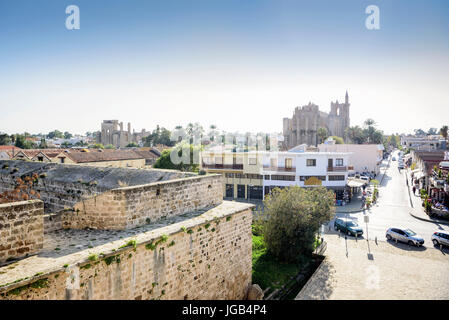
241	65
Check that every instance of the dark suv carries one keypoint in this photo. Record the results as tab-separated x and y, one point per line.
348	226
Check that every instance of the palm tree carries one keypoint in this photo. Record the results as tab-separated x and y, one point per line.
443	131
322	134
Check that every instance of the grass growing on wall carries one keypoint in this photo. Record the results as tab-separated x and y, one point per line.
267	271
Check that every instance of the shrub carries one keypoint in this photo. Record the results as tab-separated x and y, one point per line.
291	219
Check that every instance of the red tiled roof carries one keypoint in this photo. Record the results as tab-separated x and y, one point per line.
9	148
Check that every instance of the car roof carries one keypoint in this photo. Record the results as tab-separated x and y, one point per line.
443	231
347	220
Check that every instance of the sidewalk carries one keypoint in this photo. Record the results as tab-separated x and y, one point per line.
417	210
351	207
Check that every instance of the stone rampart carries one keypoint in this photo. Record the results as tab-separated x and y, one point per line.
207	256
21	229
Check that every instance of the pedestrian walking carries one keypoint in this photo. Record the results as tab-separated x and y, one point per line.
414	190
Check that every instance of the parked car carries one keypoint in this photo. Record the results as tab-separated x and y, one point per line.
404	235
440	237
348	226
393	159
365	178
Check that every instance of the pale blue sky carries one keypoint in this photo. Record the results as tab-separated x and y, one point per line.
242	65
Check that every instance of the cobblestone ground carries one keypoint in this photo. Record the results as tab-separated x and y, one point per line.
393	271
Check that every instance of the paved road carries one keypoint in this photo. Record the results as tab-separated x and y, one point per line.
392	209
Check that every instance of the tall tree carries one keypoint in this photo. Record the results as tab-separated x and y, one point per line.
322	134
55	134
4	139
432	131
444	131
292	218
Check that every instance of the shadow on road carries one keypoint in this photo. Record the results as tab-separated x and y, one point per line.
405	246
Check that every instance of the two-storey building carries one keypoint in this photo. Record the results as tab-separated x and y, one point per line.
252	175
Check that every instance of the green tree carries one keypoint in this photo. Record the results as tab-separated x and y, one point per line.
369	129
132	145
355	134
322	134
338	140
444	131
164	161
67	135
432	131
419	132
159	136
98	146
4	139
21	142
43	144
55	134
292	218
66	144
109	146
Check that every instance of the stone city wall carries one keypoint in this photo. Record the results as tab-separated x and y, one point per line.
206	257
57	195
129	207
21	229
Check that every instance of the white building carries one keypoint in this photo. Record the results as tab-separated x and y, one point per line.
252	175
363	158
425	143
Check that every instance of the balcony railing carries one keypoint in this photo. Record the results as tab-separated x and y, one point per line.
337	169
279	169
223	166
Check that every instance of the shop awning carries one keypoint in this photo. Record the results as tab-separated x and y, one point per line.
419	175
355	183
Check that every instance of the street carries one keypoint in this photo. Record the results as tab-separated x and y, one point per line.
359	269
392	209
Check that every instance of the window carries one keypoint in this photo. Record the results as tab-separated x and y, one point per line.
241	191
230	190
267	177
273	163
336	178
62	160
339	162
288	163
40	158
304	178
229	175
282	178
239	175
311	162
252	161
254	176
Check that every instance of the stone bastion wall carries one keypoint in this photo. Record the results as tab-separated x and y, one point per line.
112	198
206	255
130	207
61	186
21	229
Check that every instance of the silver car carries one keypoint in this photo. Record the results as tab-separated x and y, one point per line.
440	237
404	235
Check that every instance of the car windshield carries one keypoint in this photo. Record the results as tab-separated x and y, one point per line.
351	224
409	232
